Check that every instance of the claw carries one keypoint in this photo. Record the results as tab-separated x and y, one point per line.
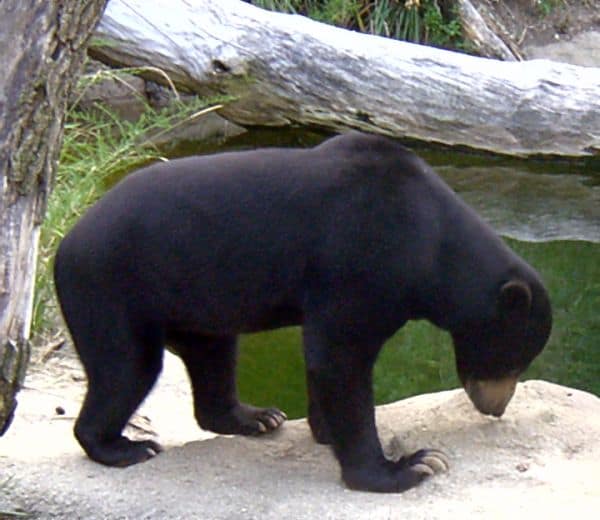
429	462
152	448
151	451
271	419
423	469
276	418
436	463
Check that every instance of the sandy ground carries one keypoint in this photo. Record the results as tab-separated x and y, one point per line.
541	460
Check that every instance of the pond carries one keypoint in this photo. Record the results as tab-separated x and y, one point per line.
549	212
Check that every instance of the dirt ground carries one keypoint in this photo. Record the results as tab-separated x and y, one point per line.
526	24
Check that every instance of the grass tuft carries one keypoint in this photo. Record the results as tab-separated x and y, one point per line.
418	21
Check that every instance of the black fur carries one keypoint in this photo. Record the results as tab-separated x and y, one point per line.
349	239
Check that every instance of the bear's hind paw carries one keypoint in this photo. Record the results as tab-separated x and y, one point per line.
244	419
269	419
121	452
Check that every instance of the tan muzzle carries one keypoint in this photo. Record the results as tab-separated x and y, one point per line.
491	396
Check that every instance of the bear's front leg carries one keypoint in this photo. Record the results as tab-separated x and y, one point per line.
317	421
340	383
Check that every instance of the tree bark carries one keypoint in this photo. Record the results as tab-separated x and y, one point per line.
286	69
43	47
483	30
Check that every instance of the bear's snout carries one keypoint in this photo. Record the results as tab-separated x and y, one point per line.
491	397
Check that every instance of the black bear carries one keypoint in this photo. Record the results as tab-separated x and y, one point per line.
349	239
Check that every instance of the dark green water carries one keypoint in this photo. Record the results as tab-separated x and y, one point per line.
550	210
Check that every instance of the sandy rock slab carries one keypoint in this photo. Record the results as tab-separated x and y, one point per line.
541	460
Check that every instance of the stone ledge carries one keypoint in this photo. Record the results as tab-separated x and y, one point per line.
542	459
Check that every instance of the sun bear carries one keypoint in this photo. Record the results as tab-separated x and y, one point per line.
349	239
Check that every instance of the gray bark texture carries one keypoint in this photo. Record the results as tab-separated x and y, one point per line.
286	69
43	46
483	30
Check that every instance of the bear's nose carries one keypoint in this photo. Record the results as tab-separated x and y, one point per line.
492	396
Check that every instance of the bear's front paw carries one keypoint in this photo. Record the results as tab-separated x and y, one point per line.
393	477
426	462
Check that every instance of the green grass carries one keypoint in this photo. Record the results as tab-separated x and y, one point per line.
545	7
98	147
420	358
420	21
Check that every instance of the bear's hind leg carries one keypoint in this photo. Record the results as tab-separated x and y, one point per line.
211	365
121	371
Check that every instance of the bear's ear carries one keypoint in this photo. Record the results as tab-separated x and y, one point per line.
515	300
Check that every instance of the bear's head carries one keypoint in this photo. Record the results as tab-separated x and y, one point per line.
492	353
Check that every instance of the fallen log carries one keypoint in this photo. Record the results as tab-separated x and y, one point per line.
286	69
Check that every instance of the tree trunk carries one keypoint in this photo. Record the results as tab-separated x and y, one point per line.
286	69
43	47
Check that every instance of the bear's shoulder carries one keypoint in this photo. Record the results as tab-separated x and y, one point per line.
361	142
375	156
